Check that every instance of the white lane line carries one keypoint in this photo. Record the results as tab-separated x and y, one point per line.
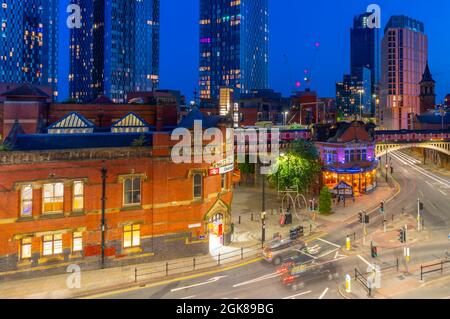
323	293
418	170
327	253
210	281
310	256
329	242
405	157
297	295
189	297
364	260
265	277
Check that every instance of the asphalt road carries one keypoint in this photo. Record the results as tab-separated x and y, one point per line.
259	280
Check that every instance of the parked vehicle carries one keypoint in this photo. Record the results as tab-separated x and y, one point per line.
276	252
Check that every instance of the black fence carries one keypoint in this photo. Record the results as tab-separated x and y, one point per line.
432	268
359	277
186	265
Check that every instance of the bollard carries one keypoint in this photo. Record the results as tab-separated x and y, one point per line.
347	243
167	268
239	219
135	274
251	218
242	252
193	263
354	236
218	260
348	283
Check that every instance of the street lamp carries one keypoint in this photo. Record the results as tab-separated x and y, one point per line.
442	112
285	117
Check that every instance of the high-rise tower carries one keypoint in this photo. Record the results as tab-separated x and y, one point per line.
404	55
234	37
29	42
116	51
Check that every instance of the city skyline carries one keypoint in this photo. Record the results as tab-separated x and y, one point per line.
179	65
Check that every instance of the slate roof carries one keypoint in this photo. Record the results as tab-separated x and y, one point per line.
207	121
26	90
427	77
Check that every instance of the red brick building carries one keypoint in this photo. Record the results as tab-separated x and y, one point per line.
51	196
29	106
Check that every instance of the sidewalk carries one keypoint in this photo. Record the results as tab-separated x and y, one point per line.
365	202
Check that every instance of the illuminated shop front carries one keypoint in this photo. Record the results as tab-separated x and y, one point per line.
347	153
361	180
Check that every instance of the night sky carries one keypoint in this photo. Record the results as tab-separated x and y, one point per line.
295	27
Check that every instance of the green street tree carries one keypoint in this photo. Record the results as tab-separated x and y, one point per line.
325	201
299	167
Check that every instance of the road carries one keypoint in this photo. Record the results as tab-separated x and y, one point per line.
259	280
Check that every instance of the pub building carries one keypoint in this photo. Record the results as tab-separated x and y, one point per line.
347	153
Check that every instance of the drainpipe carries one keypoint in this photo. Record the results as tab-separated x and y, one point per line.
103	171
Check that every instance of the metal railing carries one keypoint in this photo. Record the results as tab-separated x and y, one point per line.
441	264
195	263
359	277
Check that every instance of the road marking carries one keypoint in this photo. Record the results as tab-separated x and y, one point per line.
165	282
327	253
364	260
297	295
323	293
422	171
189	297
265	277
210	281
329	242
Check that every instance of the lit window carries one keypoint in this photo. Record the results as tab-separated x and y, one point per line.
27	201
53	198
198	185
52	245
77	241
132	191
25	248
78	196
131	236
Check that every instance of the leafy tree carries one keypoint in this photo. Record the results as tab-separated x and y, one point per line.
325	201
298	168
4	148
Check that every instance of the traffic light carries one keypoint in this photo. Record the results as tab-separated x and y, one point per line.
402	235
382	207
421	206
366	218
360	218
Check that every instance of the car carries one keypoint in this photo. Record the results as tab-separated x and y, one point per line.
299	274
276	252
290	262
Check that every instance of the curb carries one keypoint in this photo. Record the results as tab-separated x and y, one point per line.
155	282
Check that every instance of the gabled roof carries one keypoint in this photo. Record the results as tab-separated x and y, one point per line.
26	90
207	121
102	100
355	131
72	120
130	120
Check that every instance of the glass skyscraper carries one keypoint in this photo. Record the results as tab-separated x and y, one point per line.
404	55
116	51
234	37
29	42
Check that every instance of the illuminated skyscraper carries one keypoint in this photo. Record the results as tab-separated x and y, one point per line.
404	56
116	51
234	37
29	42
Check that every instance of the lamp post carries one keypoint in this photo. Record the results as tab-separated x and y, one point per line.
442	112
263	211
104	172
285	117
